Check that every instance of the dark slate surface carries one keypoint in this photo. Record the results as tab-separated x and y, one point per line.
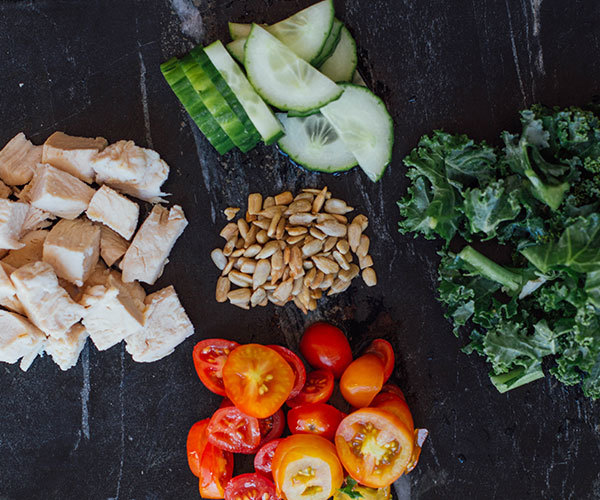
110	428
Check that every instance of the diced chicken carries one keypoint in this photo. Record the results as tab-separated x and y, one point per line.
65	352
73	154
37	219
100	276
111	314
5	191
147	255
112	245
166	326
12	218
72	248
8	294
31	252
18	160
115	211
59	193
47	304
19	339
131	169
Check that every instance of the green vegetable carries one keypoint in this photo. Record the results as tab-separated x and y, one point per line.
348	489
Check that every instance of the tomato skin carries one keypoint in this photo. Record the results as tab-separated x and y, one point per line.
396	405
315	418
231	430
264	458
209	358
385	352
394	389
420	437
250	487
325	347
296	365
271	427
257	379
215	471
317	389
196	442
362	380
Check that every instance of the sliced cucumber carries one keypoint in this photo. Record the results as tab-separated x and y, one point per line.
306	32
259	113
357	79
192	103
282	78
330	43
239	30
313	143
340	66
364	124
300	114
236	49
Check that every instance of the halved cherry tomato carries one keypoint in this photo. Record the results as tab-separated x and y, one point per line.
420	437
396	405
374	446
296	365
216	469
362	380
326	347
385	352
231	430
264	458
257	380
306	466
196	442
318	388
394	389
365	493
209	358
250	487
271	427
315	418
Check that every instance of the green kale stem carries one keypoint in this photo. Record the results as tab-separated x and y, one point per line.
516	378
490	270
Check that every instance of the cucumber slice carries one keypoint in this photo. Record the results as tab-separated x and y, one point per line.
300	114
283	79
340	66
330	43
306	32
313	143
216	103
259	113
239	30
192	103
357	79
236	49
364	124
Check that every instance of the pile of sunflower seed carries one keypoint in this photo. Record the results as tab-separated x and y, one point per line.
290	248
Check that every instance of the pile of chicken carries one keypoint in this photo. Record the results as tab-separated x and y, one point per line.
60	238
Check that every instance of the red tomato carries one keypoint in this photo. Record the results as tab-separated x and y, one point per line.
296	365
216	469
257	380
196	441
385	352
231	430
317	389
271	427
394	389
326	347
264	458
362	380
250	487
209	358
315	418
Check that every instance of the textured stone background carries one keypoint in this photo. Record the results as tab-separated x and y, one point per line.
110	428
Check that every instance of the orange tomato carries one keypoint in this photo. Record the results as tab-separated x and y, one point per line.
396	405
216	469
420	437
196	442
362	380
385	352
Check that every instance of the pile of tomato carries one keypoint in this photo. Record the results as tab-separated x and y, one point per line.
374	444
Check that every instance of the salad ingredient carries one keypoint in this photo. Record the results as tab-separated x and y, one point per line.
420	437
19	339
112	245
239	30
196	441
114	210
216	469
264	458
362	380
352	491
232	430
393	389
385	352
209	359
341	64
396	405
326	347
19	160
257	380
296	365
271	427
250	487
65	351
317	389
330	44
13	215
315	418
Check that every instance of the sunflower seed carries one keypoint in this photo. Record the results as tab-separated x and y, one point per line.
269	202
338	286
243	227
319	200
239	296
296	230
301	219
262	237
254	203
316	282
228	267
349	274
366	261
229	247
284	290
240	279
305	196
363	247
252	250
343	246
237	253
258	297
218	257
362	221
230	213
273	226
277	260
317	233
262	223
223	286
261	273
369	276
284	198
312	248
248	266
354	234
333	228
310	276
326	265
330	242
292	240
298	283
341	260
336	206
269	249
299	206
229	231
250	238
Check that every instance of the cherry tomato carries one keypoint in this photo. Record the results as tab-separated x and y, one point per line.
362	380
366	493
271	427
264	458
374	446
216	469
257	379
317	389
196	441
231	430
396	405
296	365
394	389
250	487
420	437
209	358
315	418
325	347
385	352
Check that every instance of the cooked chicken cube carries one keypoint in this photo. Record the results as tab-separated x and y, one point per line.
18	160
5	191
19	339
131	169
65	352
147	255
31	252
8	294
115	211
59	193
72	248
12	218
166	326
111	313
47	304
37	219
100	276
112	245
73	154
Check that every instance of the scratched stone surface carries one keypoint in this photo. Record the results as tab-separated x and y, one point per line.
111	428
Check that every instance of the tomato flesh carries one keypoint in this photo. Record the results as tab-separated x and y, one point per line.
420	437
325	347
271	427
209	357
250	487
264	458
317	389
396	405
216	469
394	389
362	380
385	352
196	442
231	430
315	418
296	365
